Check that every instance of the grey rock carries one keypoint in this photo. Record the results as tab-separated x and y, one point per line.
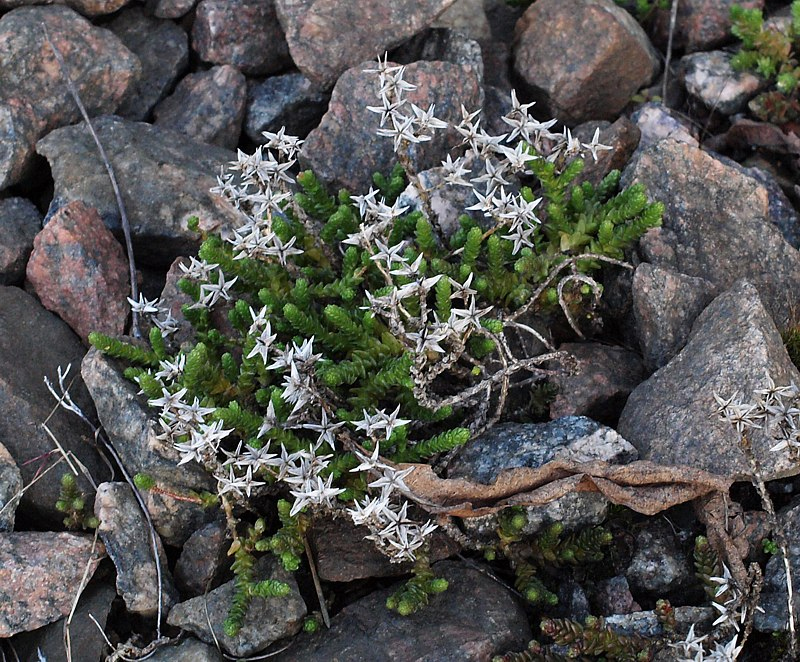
665	305
39	575
700	25
19	129
512	445
175	519
188	650
201	560
647	623
509	445
131	428
775	616
20	221
291	101
342	554
622	136
344	150
710	78
100	65
659	566
781	211
163	50
207	107
717	223
443	44
326	37
173	8
245	34
603	379
164	179
467	17
474	619
656	122
613	596
124	531
267	620
86	641
33	92
670	417
34	343
88	8
10	486
610	57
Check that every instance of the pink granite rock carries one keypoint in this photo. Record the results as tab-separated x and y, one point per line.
84	7
207	106
79	271
326	37
245	34
40	573
582	58
100	65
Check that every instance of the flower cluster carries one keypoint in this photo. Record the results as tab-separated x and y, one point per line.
691	649
345	340
775	409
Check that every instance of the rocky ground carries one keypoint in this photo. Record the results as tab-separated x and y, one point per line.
174	87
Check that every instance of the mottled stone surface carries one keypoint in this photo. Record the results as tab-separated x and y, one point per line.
19	223
19	129
773	600
291	101
700	25
655	123
202	557
710	78
173	8
267	619
33	343
717	224
102	68
39	575
174	518
326	37
659	566
164	179
342	554
670	417
80	272
467	17
131	427
189	650
610	57
603	379
207	107
245	34
86	641
126	535
344	150
665	305
10	485
84	7
163	50
509	445
623	138
474	619
613	596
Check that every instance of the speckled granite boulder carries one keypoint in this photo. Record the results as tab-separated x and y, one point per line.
80	272
39	574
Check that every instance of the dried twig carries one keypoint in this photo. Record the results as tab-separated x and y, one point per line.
126	228
673	16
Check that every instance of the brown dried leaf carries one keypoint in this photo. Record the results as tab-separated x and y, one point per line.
645	487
